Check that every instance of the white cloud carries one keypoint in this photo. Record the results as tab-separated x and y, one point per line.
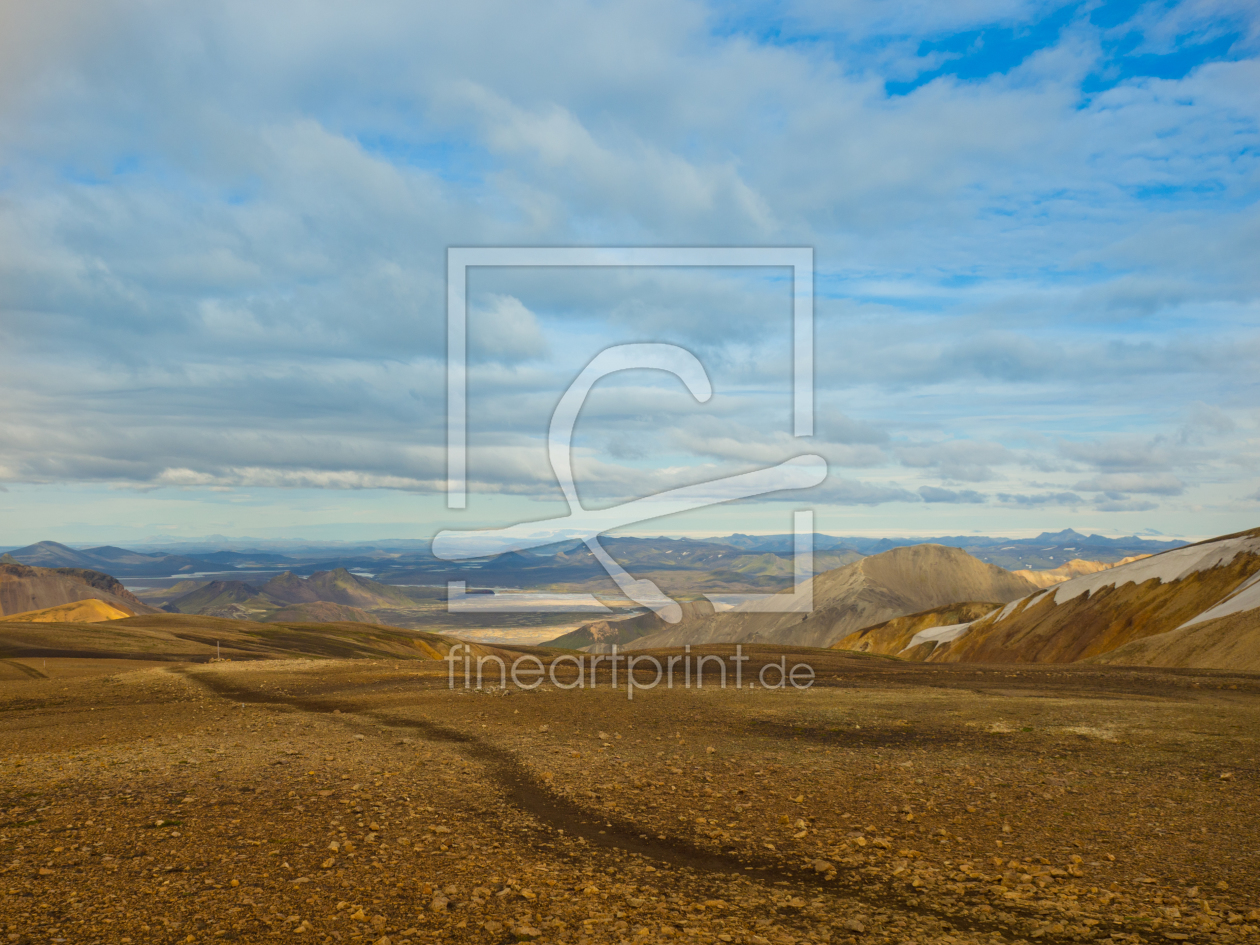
962	496
1203	422
964	460
1124	505
502	329
1124	453
1149	483
838	491
1040	499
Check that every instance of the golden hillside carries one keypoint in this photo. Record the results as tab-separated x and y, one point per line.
80	611
1196	607
1073	569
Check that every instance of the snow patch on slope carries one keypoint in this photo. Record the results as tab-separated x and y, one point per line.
1167	567
938	634
1006	611
1247	597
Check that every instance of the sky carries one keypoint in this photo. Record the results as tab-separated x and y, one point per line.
224	226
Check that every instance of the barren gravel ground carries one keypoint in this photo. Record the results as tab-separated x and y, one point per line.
365	802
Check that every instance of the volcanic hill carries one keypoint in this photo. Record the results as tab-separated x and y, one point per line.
874	589
24	588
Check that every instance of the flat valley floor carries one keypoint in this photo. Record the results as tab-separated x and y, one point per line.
364	801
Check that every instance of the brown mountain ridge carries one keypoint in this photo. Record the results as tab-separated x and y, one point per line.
1195	607
874	589
25	588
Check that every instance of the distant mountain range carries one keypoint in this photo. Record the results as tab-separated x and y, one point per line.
572	563
677	566
116	561
1047	550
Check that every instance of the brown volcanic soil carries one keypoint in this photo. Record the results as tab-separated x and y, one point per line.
321	612
197	639
954	804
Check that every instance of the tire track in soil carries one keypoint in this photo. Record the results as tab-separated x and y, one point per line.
23	668
561	814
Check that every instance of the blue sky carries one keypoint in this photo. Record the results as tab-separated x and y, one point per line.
223	230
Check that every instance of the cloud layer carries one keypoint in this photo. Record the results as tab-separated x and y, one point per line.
223	238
